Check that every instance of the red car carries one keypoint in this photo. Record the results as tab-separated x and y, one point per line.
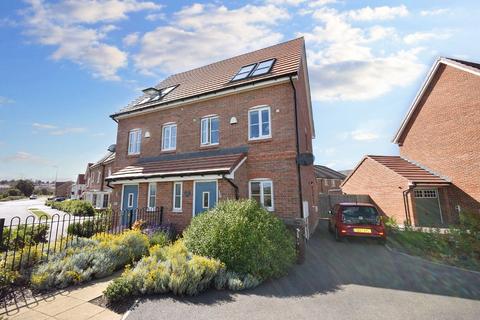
356	220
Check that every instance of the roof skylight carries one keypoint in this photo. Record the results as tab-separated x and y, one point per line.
156	94
255	69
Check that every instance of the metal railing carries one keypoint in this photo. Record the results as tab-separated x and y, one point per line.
24	243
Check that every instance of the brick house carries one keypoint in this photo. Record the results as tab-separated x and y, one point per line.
78	188
437	173
328	180
63	188
97	192
238	128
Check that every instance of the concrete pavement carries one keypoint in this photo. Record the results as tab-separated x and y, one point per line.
351	280
19	208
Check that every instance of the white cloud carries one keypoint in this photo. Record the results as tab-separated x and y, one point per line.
155	16
416	37
343	64
5	101
378	13
57	131
130	39
364	135
26	157
43	126
62	25
200	34
433	12
286	2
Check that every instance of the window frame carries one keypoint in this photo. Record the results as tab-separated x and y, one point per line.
262	181
208	199
105	196
149	196
261	136
169	125
174	208
208	120
134	148
247	73
130	200
251	75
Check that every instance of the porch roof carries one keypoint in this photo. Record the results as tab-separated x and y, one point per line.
180	167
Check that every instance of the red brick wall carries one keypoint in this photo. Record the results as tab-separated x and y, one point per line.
273	158
444	134
383	185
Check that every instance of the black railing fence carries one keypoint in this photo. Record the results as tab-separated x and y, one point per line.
24	243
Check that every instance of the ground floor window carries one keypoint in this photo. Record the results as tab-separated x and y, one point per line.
262	192
177	196
152	195
105	201
94	200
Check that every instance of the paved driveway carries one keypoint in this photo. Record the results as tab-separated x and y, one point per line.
353	280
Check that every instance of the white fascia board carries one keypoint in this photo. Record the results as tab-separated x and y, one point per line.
207	96
169	179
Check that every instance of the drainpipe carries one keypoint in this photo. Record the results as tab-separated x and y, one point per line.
235	187
405	203
298	148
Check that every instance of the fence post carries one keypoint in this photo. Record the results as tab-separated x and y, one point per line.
130	218
2	225
161	215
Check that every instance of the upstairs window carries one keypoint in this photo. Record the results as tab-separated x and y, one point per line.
259	126
253	70
169	137
134	141
209	131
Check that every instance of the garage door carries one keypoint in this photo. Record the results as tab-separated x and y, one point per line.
427	208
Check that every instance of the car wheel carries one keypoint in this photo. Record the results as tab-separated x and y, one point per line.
337	235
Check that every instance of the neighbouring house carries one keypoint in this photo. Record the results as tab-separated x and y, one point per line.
97	191
78	188
328	180
238	128
63	189
437	173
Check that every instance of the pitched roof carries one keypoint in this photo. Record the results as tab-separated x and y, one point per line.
463	65
413	172
182	165
216	76
327	173
109	156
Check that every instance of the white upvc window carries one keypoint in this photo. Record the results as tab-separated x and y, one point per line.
261	190
152	195
169	137
259	123
209	131
134	141
177	196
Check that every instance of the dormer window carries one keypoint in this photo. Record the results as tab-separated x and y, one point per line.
253	70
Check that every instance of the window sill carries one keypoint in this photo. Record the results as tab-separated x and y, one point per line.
133	155
210	146
177	211
168	151
260	140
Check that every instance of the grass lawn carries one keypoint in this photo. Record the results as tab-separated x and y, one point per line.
436	247
39	213
11	198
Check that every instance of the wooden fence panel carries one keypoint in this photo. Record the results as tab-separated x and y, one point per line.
327	201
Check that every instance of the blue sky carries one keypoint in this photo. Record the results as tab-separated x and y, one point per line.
66	65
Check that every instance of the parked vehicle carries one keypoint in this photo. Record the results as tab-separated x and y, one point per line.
356	220
59	199
33	197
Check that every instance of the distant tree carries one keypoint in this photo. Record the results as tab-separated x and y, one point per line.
25	186
14	192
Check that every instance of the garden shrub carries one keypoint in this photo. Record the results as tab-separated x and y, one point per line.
243	235
75	207
87	228
23	236
167	269
86	259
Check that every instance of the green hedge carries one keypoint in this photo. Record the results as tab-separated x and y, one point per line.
75	207
20	237
243	235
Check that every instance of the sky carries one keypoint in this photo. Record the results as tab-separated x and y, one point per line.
66	65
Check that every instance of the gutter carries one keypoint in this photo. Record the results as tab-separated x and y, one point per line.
298	148
235	187
405	203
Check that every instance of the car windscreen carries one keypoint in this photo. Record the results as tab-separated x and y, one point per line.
360	215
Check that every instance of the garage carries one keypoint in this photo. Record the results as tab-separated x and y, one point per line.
427	208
